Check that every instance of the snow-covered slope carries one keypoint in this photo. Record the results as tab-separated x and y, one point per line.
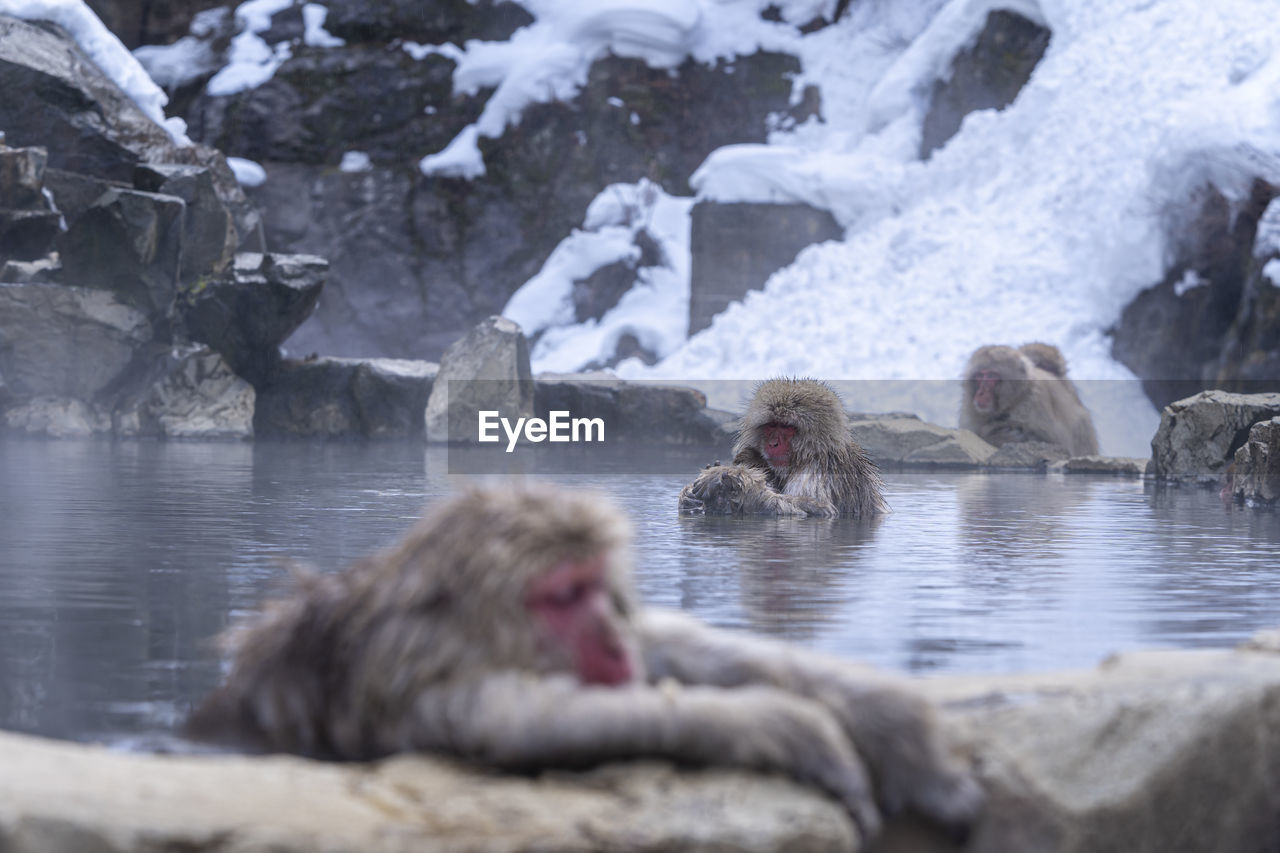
1038	222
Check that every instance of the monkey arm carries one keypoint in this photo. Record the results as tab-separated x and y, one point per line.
893	728
745	490
519	721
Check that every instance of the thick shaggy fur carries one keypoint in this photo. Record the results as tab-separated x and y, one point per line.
432	645
1034	401
829	474
321	672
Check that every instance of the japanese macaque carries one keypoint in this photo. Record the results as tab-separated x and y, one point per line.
793	456
1024	395
503	629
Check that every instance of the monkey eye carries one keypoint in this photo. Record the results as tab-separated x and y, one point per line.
569	595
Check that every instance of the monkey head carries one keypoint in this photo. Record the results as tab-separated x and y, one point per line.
528	578
994	378
792	422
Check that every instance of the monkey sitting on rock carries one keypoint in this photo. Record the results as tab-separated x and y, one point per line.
1023	394
503	629
793	455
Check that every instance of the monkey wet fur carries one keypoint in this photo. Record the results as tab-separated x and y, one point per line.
503	629
794	455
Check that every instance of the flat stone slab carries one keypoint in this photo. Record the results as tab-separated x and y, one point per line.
63	796
905	440
1120	466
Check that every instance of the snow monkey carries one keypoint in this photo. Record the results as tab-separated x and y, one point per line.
503	629
1024	395
793	456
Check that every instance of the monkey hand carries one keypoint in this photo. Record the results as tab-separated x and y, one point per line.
721	490
898	733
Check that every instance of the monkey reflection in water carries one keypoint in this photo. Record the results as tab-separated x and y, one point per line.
794	455
503	629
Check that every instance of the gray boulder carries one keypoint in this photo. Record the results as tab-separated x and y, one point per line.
61	341
26	272
734	248
441	21
1256	477
249	310
642	413
487	370
56	97
1209	323
209	230
28	223
1198	436
194	395
22	177
1251	351
27	234
139	22
1151	751
345	398
987	75
130	243
55	417
1120	466
1027	454
902	439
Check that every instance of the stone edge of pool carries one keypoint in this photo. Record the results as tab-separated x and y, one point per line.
1152	750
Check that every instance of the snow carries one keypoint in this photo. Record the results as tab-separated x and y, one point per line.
549	59
314	34
250	60
1037	222
247	172
1190	281
188	58
421	51
355	161
655	310
106	51
1267	243
461	159
1271	272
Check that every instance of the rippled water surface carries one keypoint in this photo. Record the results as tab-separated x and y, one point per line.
119	561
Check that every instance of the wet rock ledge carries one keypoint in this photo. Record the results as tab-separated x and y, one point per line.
1150	751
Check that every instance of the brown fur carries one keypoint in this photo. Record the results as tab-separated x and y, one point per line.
1047	357
1034	400
428	645
829	473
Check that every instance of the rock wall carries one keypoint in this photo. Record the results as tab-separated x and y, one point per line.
1198	437
1213	321
124	308
417	260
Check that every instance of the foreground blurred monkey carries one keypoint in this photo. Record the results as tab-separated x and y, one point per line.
1024	395
793	456
504	629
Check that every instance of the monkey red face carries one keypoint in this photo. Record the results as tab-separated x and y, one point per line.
572	604
984	393
777	444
